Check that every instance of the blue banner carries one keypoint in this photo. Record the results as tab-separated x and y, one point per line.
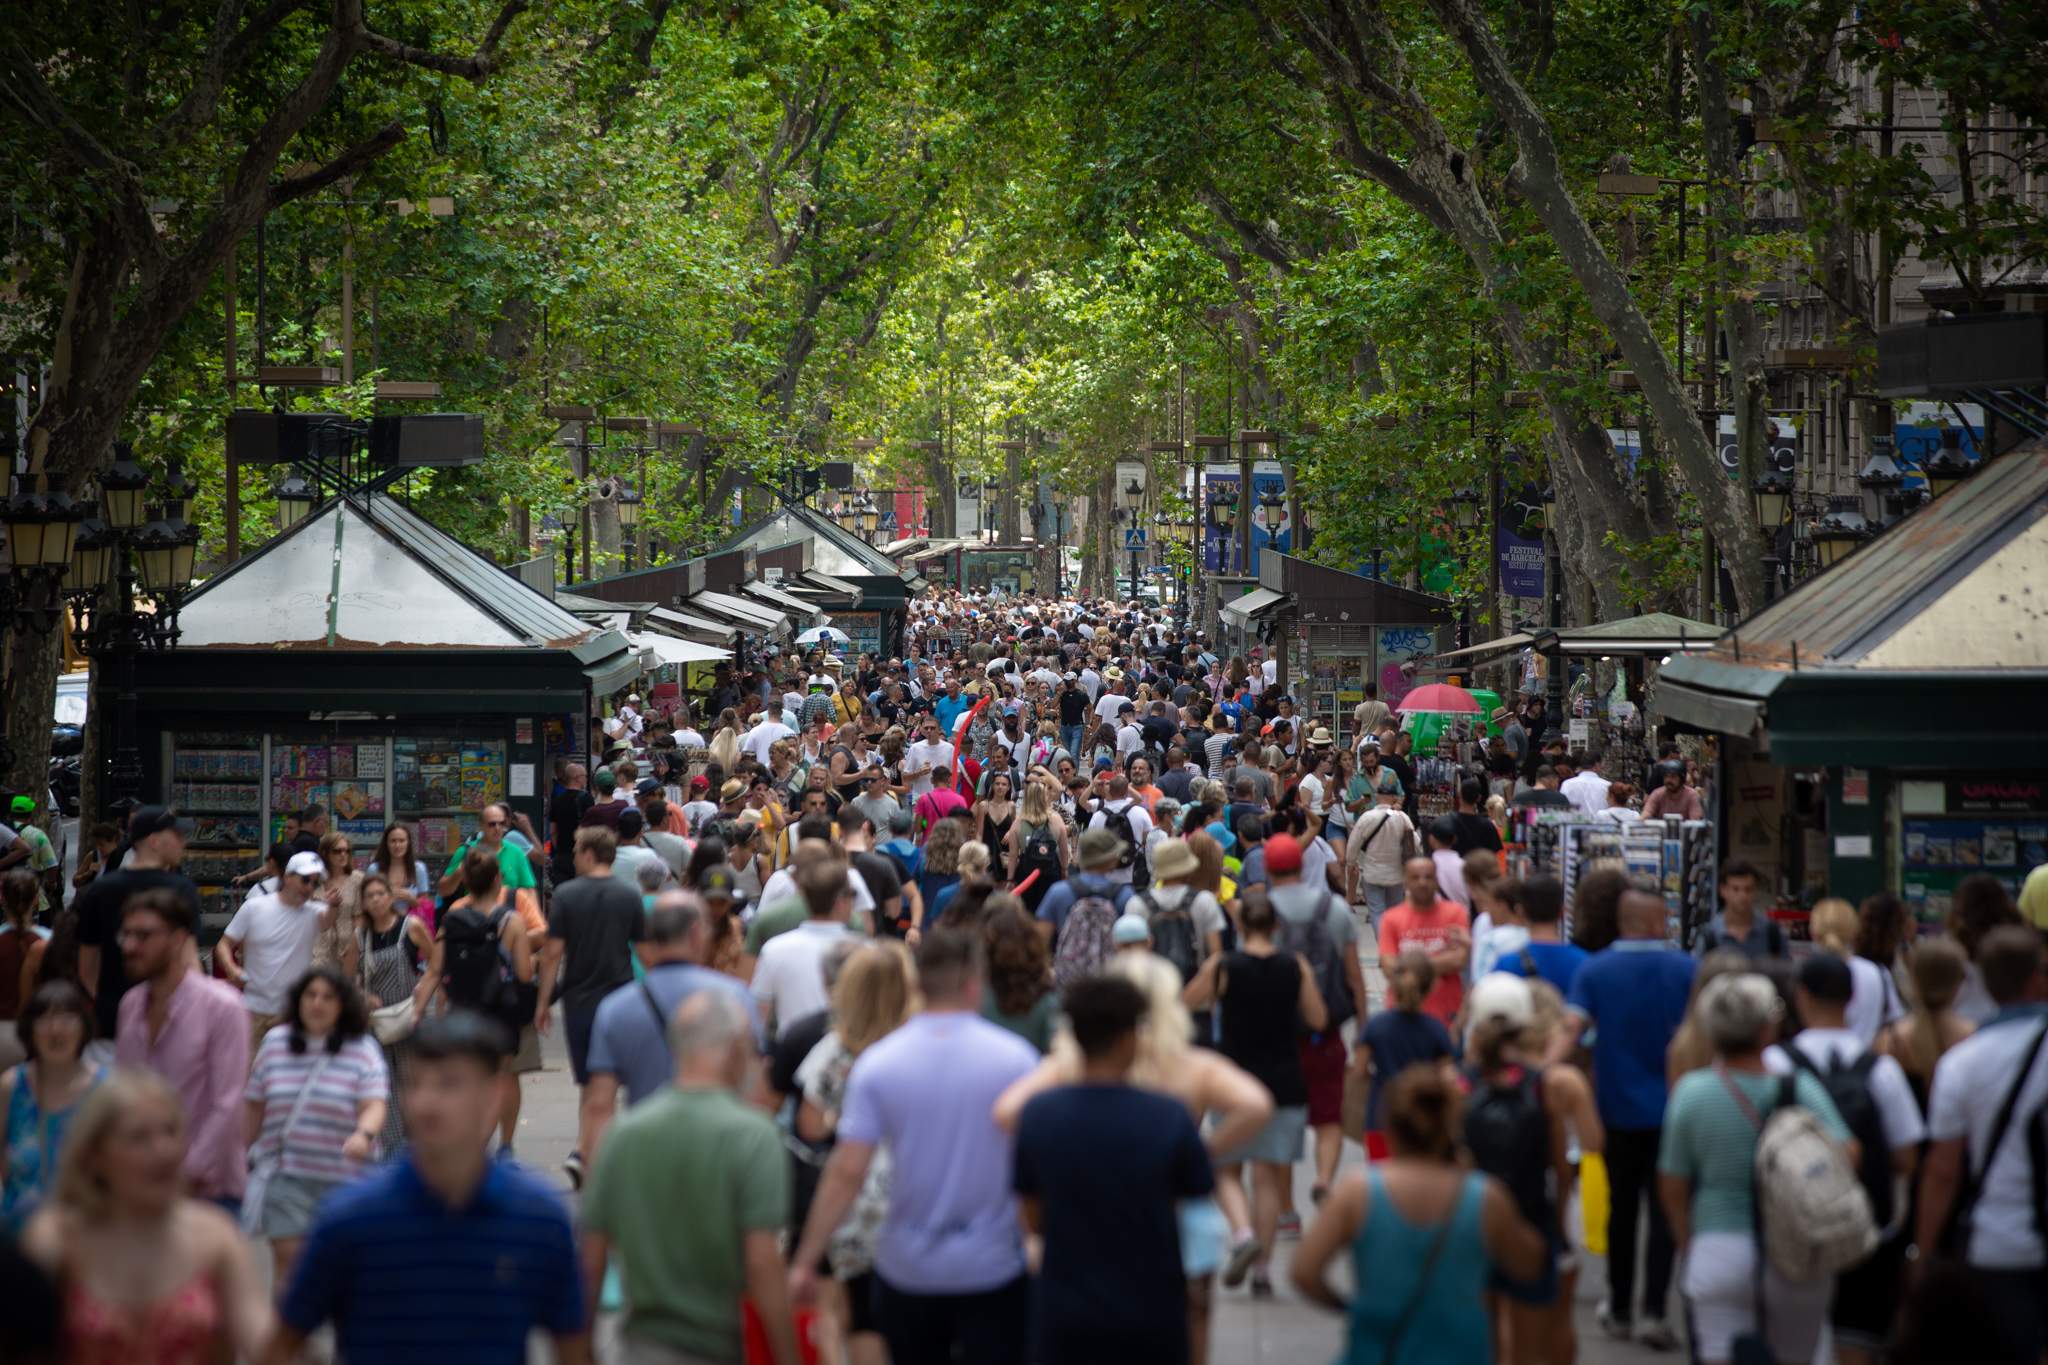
1271	525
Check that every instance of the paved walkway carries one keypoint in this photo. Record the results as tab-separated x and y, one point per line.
1282	1329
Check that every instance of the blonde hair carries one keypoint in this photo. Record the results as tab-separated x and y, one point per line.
974	858
876	992
1834	925
79	1184
1163	1032
1035	807
1691	1047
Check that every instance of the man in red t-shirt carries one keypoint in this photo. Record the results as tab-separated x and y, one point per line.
1438	927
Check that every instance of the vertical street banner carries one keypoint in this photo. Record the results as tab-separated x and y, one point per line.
1518	539
967	507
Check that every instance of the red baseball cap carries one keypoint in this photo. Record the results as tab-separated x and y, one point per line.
1283	853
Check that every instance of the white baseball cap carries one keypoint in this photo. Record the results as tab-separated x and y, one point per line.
1500	997
306	864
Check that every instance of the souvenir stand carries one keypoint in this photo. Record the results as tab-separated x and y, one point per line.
1677	854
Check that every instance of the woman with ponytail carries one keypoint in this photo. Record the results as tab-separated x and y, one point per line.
1919	1040
1424	1234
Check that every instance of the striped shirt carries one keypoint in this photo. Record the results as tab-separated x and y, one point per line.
405	1278
313	1148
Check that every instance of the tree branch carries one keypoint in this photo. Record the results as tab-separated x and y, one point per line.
226	52
474	67
346	163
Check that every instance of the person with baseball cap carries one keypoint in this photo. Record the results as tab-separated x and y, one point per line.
156	846
268	945
27	846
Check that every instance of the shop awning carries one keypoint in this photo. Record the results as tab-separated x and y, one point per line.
1650	636
746	613
667	649
813	583
702	628
1244	610
805	613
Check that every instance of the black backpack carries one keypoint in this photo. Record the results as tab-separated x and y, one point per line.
478	970
1120	823
1173	932
1040	853
1848	1085
1508	1134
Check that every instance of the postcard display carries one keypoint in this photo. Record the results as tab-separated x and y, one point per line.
217	780
239	789
1677	854
440	786
348	777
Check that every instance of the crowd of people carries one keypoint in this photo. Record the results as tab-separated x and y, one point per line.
982	1005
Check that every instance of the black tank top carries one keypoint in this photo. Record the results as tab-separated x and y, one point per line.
1261	1017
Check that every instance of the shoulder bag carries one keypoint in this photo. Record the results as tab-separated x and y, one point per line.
264	1168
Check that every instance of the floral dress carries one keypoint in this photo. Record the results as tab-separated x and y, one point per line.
851	1252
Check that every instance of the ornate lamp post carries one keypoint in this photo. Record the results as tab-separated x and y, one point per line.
630	503
107	567
1839	531
1882	480
1771	495
1223	514
1134	494
1949	466
1272	511
295	498
42	527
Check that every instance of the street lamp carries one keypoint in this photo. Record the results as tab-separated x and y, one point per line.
629	505
1771	494
123	488
1949	466
108	563
1272	511
866	516
1134	494
295	498
1839	531
1223	512
1465	509
1882	480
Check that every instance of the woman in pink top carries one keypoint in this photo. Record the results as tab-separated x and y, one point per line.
150	1276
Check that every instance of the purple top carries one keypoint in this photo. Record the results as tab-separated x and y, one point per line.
203	1052
928	1090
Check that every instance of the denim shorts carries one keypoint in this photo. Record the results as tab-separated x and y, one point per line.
1204	1237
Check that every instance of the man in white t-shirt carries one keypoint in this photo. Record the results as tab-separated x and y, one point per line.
1113	700
1122	806
789	977
268	945
1998	1067
933	751
759	740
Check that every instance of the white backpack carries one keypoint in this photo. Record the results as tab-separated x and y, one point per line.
1815	1216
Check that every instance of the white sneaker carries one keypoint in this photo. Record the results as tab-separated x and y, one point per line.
1656	1334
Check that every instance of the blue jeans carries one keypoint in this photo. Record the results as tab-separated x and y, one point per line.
1070	740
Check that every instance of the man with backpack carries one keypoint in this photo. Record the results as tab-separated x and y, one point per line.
1126	820
1314	922
1078	916
1876	1102
484	960
1985	1122
1381	842
1184	922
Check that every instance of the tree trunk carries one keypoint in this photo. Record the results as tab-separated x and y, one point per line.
1748	387
1540	178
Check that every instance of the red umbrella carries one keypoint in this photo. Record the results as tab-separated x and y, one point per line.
1440	697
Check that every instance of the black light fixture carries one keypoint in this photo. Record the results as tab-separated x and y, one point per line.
1550	507
1465	509
92	557
1272	511
124	486
1134	493
1881	480
1771	494
1839	531
179	492
295	498
1949	466
629	506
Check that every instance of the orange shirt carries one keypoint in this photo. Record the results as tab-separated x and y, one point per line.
1430	930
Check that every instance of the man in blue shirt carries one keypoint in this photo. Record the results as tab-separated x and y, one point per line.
443	1256
1633	994
1556	961
951	707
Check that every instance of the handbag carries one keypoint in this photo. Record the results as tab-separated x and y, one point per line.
261	1172
391	1023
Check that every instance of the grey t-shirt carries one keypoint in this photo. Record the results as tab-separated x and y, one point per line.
1297	901
880	812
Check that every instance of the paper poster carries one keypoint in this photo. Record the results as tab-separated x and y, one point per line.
521	783
370	761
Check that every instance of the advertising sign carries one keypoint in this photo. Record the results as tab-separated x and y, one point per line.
1518	540
1271	525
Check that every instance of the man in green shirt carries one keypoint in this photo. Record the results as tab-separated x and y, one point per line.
695	1146
41	856
513	864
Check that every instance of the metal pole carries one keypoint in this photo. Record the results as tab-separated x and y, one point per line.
125	775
